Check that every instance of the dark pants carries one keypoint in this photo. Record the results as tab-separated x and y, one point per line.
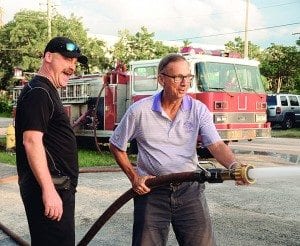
44	231
184	206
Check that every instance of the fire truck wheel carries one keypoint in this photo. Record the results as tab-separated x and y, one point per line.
288	122
204	153
133	149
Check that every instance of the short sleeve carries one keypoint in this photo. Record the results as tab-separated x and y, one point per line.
36	110
124	131
208	132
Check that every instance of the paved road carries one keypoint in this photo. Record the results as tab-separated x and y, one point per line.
278	148
4	123
279	145
266	213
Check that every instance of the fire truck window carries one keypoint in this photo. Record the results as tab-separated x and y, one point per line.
230	78
249	78
145	79
217	76
212	76
200	78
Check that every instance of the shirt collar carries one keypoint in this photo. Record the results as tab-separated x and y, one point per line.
185	105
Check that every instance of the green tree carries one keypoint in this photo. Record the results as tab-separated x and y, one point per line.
186	43
140	46
24	38
238	46
281	65
122	50
96	50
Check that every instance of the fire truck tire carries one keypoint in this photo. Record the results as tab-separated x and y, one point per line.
204	153
133	149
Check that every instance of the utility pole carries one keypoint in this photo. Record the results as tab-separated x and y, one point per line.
49	14
1	16
246	32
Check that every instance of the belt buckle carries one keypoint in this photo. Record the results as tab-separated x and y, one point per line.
175	184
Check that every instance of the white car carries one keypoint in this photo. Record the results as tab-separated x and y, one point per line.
283	109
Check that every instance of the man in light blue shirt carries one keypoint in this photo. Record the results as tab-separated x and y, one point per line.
166	127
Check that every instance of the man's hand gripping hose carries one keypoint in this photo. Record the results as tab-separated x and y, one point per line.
210	175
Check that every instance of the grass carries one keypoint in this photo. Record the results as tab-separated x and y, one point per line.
278	132
6	114
86	158
2	141
290	133
92	158
7	157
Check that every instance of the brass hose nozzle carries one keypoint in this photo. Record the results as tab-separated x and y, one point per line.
240	173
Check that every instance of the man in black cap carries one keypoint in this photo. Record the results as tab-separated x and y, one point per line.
46	151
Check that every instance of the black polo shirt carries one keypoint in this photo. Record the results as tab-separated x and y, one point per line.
39	108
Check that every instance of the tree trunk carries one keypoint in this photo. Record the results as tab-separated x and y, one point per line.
279	84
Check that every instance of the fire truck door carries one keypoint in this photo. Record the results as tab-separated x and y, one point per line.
110	107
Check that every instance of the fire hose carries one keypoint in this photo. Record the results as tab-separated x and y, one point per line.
213	175
13	236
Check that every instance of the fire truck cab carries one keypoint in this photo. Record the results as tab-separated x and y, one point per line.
230	87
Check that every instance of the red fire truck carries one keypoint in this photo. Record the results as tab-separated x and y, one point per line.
230	87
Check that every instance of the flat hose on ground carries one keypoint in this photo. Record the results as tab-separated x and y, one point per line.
13	236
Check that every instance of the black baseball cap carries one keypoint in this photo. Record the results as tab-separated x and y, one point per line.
67	48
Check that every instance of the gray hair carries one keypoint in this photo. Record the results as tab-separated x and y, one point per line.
165	61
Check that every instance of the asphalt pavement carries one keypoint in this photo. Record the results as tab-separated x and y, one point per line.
266	213
263	214
4	122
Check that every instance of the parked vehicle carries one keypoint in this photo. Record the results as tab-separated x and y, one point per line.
283	110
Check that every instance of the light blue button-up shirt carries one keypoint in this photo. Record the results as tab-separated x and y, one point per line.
165	146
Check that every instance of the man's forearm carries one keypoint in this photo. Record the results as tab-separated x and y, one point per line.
222	153
121	158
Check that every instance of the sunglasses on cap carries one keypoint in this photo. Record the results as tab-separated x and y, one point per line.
71	47
67	47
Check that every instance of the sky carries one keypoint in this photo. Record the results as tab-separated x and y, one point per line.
210	22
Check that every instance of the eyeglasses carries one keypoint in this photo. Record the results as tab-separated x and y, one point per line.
72	47
179	78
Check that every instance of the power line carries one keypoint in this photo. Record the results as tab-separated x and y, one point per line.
277	5
223	34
